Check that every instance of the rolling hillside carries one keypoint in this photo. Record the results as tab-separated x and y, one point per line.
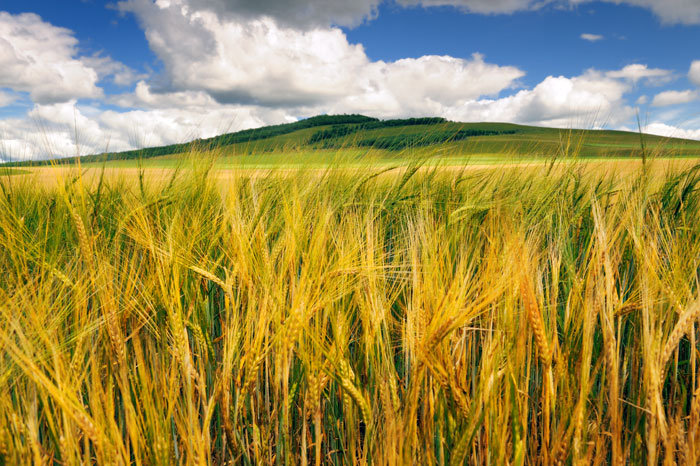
393	137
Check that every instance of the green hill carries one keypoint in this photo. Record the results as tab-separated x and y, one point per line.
393	137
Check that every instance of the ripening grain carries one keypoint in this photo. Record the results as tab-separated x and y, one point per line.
526	315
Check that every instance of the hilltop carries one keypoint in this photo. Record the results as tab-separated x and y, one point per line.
341	132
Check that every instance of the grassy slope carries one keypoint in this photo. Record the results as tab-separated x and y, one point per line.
12	171
526	141
526	144
289	144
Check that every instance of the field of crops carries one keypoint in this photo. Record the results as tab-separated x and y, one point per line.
376	315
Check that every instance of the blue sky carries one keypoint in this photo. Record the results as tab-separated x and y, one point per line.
543	42
145	72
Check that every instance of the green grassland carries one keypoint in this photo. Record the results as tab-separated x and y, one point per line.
4	171
524	143
356	139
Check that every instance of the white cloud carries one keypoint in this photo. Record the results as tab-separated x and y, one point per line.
637	72
247	61
592	37
144	97
669	11
6	98
43	60
694	73
143	128
50	130
259	62
481	6
662	129
591	99
642	100
117	72
425	86
666	98
297	13
40	59
47	130
315	13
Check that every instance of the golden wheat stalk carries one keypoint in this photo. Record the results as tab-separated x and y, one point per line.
534	316
83	240
346	378
683	326
209	276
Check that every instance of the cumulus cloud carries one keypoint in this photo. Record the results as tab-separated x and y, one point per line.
592	37
154	127
6	98
68	129
669	11
666	98
591	99
315	13
322	13
481	6
144	97
264	63
425	86
249	62
637	72
259	62
48	130
298	13
694	73
117	72
39	58
663	129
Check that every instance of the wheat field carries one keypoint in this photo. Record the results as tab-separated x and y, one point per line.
523	315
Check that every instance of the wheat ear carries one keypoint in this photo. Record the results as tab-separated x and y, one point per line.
682	327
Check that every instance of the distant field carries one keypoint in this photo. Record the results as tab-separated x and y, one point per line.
285	150
324	158
12	171
225	170
355	139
